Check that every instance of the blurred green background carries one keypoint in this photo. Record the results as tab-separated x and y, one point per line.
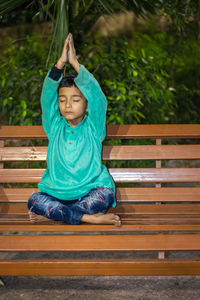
145	55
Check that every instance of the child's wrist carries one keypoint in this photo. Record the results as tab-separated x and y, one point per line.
76	66
60	64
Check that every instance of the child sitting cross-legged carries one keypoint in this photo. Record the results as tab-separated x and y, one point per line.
75	187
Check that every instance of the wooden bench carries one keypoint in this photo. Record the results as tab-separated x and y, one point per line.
159	205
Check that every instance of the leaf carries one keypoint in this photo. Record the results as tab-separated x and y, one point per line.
143	53
23	103
3	82
24	113
140	114
119	119
122	89
5	101
7	6
135	73
112	117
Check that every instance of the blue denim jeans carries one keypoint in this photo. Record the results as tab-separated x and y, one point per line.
71	211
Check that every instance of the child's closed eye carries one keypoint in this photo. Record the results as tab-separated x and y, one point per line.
62	101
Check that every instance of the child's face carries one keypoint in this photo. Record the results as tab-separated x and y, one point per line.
72	104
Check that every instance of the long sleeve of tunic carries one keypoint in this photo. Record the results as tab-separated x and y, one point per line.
74	165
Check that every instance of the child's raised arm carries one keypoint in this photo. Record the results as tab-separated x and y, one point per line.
90	88
49	102
97	101
49	95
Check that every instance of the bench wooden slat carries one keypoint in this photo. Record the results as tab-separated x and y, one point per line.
156	175
123	194
118	174
111	267
28	227
129	209
161	219
22	132
113	131
142	220
150	152
23	153
154	131
127	152
126	219
156	242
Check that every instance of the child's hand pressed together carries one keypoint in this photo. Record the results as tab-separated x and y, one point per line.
68	54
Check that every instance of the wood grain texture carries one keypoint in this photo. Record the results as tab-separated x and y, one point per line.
113	131
119	175
48	227
126	152
155	242
97	267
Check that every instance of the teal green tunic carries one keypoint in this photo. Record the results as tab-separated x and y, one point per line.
74	165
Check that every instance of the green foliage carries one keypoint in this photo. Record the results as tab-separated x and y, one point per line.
134	79
77	16
186	78
184	14
149	79
22	70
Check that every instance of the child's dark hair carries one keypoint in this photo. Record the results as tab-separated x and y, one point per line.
68	81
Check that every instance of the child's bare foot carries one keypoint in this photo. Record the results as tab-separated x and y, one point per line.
34	218
101	218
